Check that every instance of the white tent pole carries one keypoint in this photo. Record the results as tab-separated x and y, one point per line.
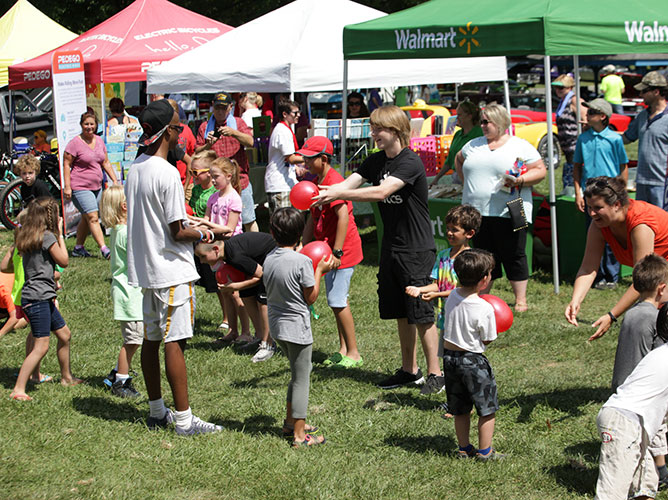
10	146
550	168
104	111
576	67
344	115
456	92
506	95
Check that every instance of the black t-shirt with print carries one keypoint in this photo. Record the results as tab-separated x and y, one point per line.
246	250
405	213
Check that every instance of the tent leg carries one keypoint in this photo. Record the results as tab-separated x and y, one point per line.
506	98
456	92
10	146
344	116
576	68
104	111
550	168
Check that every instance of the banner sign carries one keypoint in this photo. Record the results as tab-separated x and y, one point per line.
69	100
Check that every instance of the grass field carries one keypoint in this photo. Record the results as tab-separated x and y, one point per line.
82	443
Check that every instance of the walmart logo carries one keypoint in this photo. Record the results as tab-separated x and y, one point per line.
468	37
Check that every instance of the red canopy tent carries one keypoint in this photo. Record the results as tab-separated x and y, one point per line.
122	48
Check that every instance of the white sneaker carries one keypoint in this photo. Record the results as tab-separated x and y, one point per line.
198	426
264	352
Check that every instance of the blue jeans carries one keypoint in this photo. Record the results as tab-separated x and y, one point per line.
650	194
609	268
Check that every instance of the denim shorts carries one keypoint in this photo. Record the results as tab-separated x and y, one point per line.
247	205
44	318
86	201
337	282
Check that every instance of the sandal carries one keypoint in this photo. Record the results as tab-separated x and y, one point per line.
230	337
309	440
42	378
289	430
21	397
333	359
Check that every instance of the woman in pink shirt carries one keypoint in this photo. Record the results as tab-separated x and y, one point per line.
85	157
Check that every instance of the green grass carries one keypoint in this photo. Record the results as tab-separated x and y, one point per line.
82	443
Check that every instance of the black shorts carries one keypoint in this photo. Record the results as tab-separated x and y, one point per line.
396	271
469	381
509	247
207	278
258	291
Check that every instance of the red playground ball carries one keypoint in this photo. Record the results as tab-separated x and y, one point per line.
302	193
227	273
502	312
316	251
189	210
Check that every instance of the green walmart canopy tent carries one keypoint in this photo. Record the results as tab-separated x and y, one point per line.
444	28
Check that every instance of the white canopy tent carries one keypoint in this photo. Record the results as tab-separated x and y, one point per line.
299	48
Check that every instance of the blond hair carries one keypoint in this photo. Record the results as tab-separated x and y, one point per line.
394	119
253	98
207	157
228	167
28	163
112	212
499	116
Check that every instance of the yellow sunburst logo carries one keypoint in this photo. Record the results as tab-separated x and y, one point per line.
468	37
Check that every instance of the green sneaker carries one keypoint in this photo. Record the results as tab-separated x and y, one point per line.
333	359
347	362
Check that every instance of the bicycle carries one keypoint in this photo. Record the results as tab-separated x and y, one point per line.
11	201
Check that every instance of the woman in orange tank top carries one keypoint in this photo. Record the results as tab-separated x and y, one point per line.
633	229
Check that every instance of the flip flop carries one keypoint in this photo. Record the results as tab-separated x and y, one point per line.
289	432
333	359
44	378
21	397
347	362
309	440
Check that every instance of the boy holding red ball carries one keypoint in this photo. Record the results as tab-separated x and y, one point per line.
334	224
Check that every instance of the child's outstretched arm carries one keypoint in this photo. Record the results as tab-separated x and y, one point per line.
58	252
232	287
311	293
415	291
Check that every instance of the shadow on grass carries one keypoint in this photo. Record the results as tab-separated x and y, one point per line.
255	381
579	475
107	409
208	328
443	445
392	399
568	401
254	425
8	376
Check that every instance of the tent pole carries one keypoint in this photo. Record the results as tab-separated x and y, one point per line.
456	92
104	111
10	146
576	67
550	168
344	116
506	95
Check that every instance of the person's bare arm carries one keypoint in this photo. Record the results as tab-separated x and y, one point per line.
311	293
179	232
67	166
624	171
388	186
459	166
307	235
577	179
7	264
106	165
58	252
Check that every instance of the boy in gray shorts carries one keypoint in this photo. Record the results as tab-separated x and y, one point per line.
291	288
469	381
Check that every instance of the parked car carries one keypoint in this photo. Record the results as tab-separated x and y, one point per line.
28	117
618	123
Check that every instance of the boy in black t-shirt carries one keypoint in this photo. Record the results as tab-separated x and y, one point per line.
28	167
246	252
407	250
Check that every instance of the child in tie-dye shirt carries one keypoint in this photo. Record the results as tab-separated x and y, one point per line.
461	223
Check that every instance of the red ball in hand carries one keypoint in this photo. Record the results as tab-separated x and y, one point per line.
316	251
502	312
189	210
302	193
227	273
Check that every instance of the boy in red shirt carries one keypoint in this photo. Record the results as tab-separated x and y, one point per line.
334	224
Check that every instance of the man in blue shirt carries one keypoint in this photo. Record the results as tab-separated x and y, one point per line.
650	128
599	151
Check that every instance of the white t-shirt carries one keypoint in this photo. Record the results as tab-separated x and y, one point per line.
155	199
279	177
484	170
645	391
468	321
249	114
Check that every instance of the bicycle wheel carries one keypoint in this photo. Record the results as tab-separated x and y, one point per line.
11	203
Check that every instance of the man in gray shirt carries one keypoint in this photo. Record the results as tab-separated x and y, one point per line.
650	128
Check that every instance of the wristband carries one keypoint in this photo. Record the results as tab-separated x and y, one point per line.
201	235
612	317
209	232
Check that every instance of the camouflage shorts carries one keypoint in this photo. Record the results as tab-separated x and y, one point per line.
469	381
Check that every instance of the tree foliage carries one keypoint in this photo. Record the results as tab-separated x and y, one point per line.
81	15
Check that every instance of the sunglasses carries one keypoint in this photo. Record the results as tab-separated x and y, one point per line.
295	113
485	122
355	103
197	172
645	90
592	112
178	128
